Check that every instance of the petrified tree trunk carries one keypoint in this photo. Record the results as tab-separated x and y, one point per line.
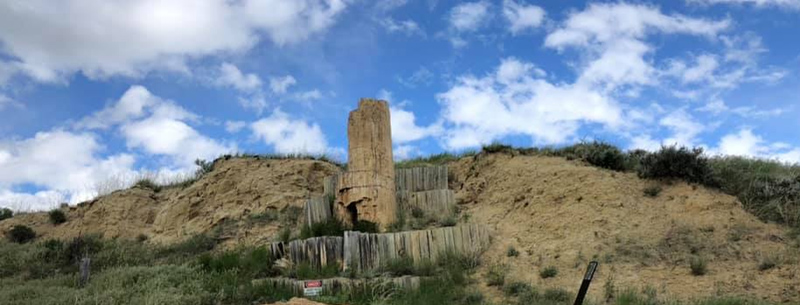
367	189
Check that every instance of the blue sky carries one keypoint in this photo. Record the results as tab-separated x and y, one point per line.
95	94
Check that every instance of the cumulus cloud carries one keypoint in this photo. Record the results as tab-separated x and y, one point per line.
230	75
746	143
290	136
612	36
520	102
405	128
157	126
67	164
467	17
157	35
234	126
522	16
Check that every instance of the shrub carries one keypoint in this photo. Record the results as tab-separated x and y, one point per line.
148	184
399	266
57	217
497	148
496	275
203	167
285	235
557	295
449	221
698	266
548	272
678	163
774	199
517	288
652	191
6	213
331	227
21	234
597	153
767	263
141	238
365	226
512	252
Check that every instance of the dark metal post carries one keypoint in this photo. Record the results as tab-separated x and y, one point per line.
587	279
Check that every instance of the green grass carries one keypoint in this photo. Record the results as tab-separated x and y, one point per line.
548	272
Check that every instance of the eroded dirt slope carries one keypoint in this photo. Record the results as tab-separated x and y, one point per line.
562	213
223	200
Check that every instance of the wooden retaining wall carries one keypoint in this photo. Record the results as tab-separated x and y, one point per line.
339	284
435	203
366	251
316	251
421	178
318	209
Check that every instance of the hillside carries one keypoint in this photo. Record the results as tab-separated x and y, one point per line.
230	199
554	212
562	213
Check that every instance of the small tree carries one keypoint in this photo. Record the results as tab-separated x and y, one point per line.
6	213
21	234
57	217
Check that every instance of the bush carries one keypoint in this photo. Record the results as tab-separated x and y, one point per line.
496	275
331	227
512	252
597	153
767	263
399	266
652	191
774	199
698	266
678	163
449	221
148	184
548	272
517	288
21	234
497	148
365	226
6	213
57	217
557	295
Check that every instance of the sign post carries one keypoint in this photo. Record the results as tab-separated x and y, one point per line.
312	288
587	279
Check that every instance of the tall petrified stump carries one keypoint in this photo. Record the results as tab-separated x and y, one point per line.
367	190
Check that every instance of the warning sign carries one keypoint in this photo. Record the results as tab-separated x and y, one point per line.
312	288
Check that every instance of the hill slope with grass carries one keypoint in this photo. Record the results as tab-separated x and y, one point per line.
552	216
551	212
242	200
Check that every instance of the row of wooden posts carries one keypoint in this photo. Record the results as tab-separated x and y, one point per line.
370	251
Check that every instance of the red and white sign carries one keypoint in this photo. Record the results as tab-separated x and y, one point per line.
312	288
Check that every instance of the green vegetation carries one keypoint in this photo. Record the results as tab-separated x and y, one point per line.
512	252
698	265
433	160
6	213
21	234
652	191
548	272
496	275
57	216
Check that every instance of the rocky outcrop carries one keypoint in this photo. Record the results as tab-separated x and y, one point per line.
367	190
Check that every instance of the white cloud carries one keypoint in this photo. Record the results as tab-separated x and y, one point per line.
403	152
157	35
789	4
746	143
280	85
408	27
234	126
612	37
131	105
67	164
230	75
157	126
405	128
288	136
520	102
684	127
469	16
521	16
